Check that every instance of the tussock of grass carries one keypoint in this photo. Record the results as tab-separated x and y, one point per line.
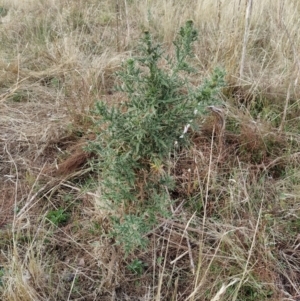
233	228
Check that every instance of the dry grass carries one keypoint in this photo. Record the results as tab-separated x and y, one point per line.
234	229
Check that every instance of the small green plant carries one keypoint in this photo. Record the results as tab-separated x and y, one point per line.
136	267
252	292
19	97
58	217
137	136
3	11
2	273
95	228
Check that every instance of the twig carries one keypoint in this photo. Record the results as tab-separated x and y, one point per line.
246	35
241	281
285	108
219	15
127	23
118	27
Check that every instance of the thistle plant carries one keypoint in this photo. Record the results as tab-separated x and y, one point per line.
138	135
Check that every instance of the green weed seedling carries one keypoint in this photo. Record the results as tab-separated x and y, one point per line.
2	273
58	217
136	267
19	96
3	11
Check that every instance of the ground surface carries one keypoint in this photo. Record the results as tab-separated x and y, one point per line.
233	227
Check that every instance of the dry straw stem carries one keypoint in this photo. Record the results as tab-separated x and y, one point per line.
246	34
223	289
250	254
198	282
